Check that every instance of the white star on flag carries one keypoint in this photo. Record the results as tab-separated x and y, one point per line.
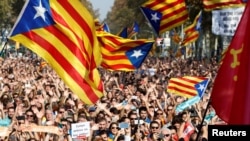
40	10
201	87
154	17
137	53
198	26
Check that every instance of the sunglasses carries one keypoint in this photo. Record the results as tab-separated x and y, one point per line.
114	128
154	127
166	135
159	113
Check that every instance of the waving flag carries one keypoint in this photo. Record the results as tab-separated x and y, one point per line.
188	86
123	33
192	31
133	30
210	5
123	54
230	96
106	27
63	34
164	15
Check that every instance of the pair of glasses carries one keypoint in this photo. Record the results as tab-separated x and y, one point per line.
114	128
154	127
61	112
29	115
159	113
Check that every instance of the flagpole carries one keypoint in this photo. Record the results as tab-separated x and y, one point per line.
203	119
4	48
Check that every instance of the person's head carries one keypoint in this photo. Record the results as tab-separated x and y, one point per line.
30	116
20	120
11	112
62	110
49	115
102	123
173	131
82	118
165	134
104	135
143	112
64	124
114	128
154	127
132	116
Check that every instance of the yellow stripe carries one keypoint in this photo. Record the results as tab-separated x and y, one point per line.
180	94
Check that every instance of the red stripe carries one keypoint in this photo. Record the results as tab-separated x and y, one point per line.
217	5
177	21
167	5
114	57
118	66
64	63
192	81
181	91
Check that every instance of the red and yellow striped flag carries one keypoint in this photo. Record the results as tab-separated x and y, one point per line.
210	5
123	54
173	13
187	86
63	34
192	31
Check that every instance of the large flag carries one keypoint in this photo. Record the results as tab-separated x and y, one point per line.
210	5
63	34
164	15
123	54
230	96
188	86
192	31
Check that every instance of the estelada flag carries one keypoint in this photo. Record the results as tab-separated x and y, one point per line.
230	96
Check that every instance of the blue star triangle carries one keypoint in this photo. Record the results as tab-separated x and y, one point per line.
198	25
154	18
201	87
36	14
138	54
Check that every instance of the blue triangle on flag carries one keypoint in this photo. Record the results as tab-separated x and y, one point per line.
154	18
201	87
138	54
25	24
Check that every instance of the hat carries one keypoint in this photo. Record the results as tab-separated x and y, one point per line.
92	109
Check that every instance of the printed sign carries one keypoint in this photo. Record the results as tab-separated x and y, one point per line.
80	129
225	21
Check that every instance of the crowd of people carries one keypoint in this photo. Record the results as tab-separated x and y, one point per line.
36	105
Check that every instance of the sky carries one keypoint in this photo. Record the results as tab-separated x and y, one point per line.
103	5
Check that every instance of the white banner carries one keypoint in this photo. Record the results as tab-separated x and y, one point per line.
80	129
225	21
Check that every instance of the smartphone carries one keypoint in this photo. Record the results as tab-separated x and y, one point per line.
123	125
139	121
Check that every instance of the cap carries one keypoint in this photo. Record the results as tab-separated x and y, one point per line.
92	109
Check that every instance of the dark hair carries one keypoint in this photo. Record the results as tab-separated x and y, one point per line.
121	137
142	108
111	124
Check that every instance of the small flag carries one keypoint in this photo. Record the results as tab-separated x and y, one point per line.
188	86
